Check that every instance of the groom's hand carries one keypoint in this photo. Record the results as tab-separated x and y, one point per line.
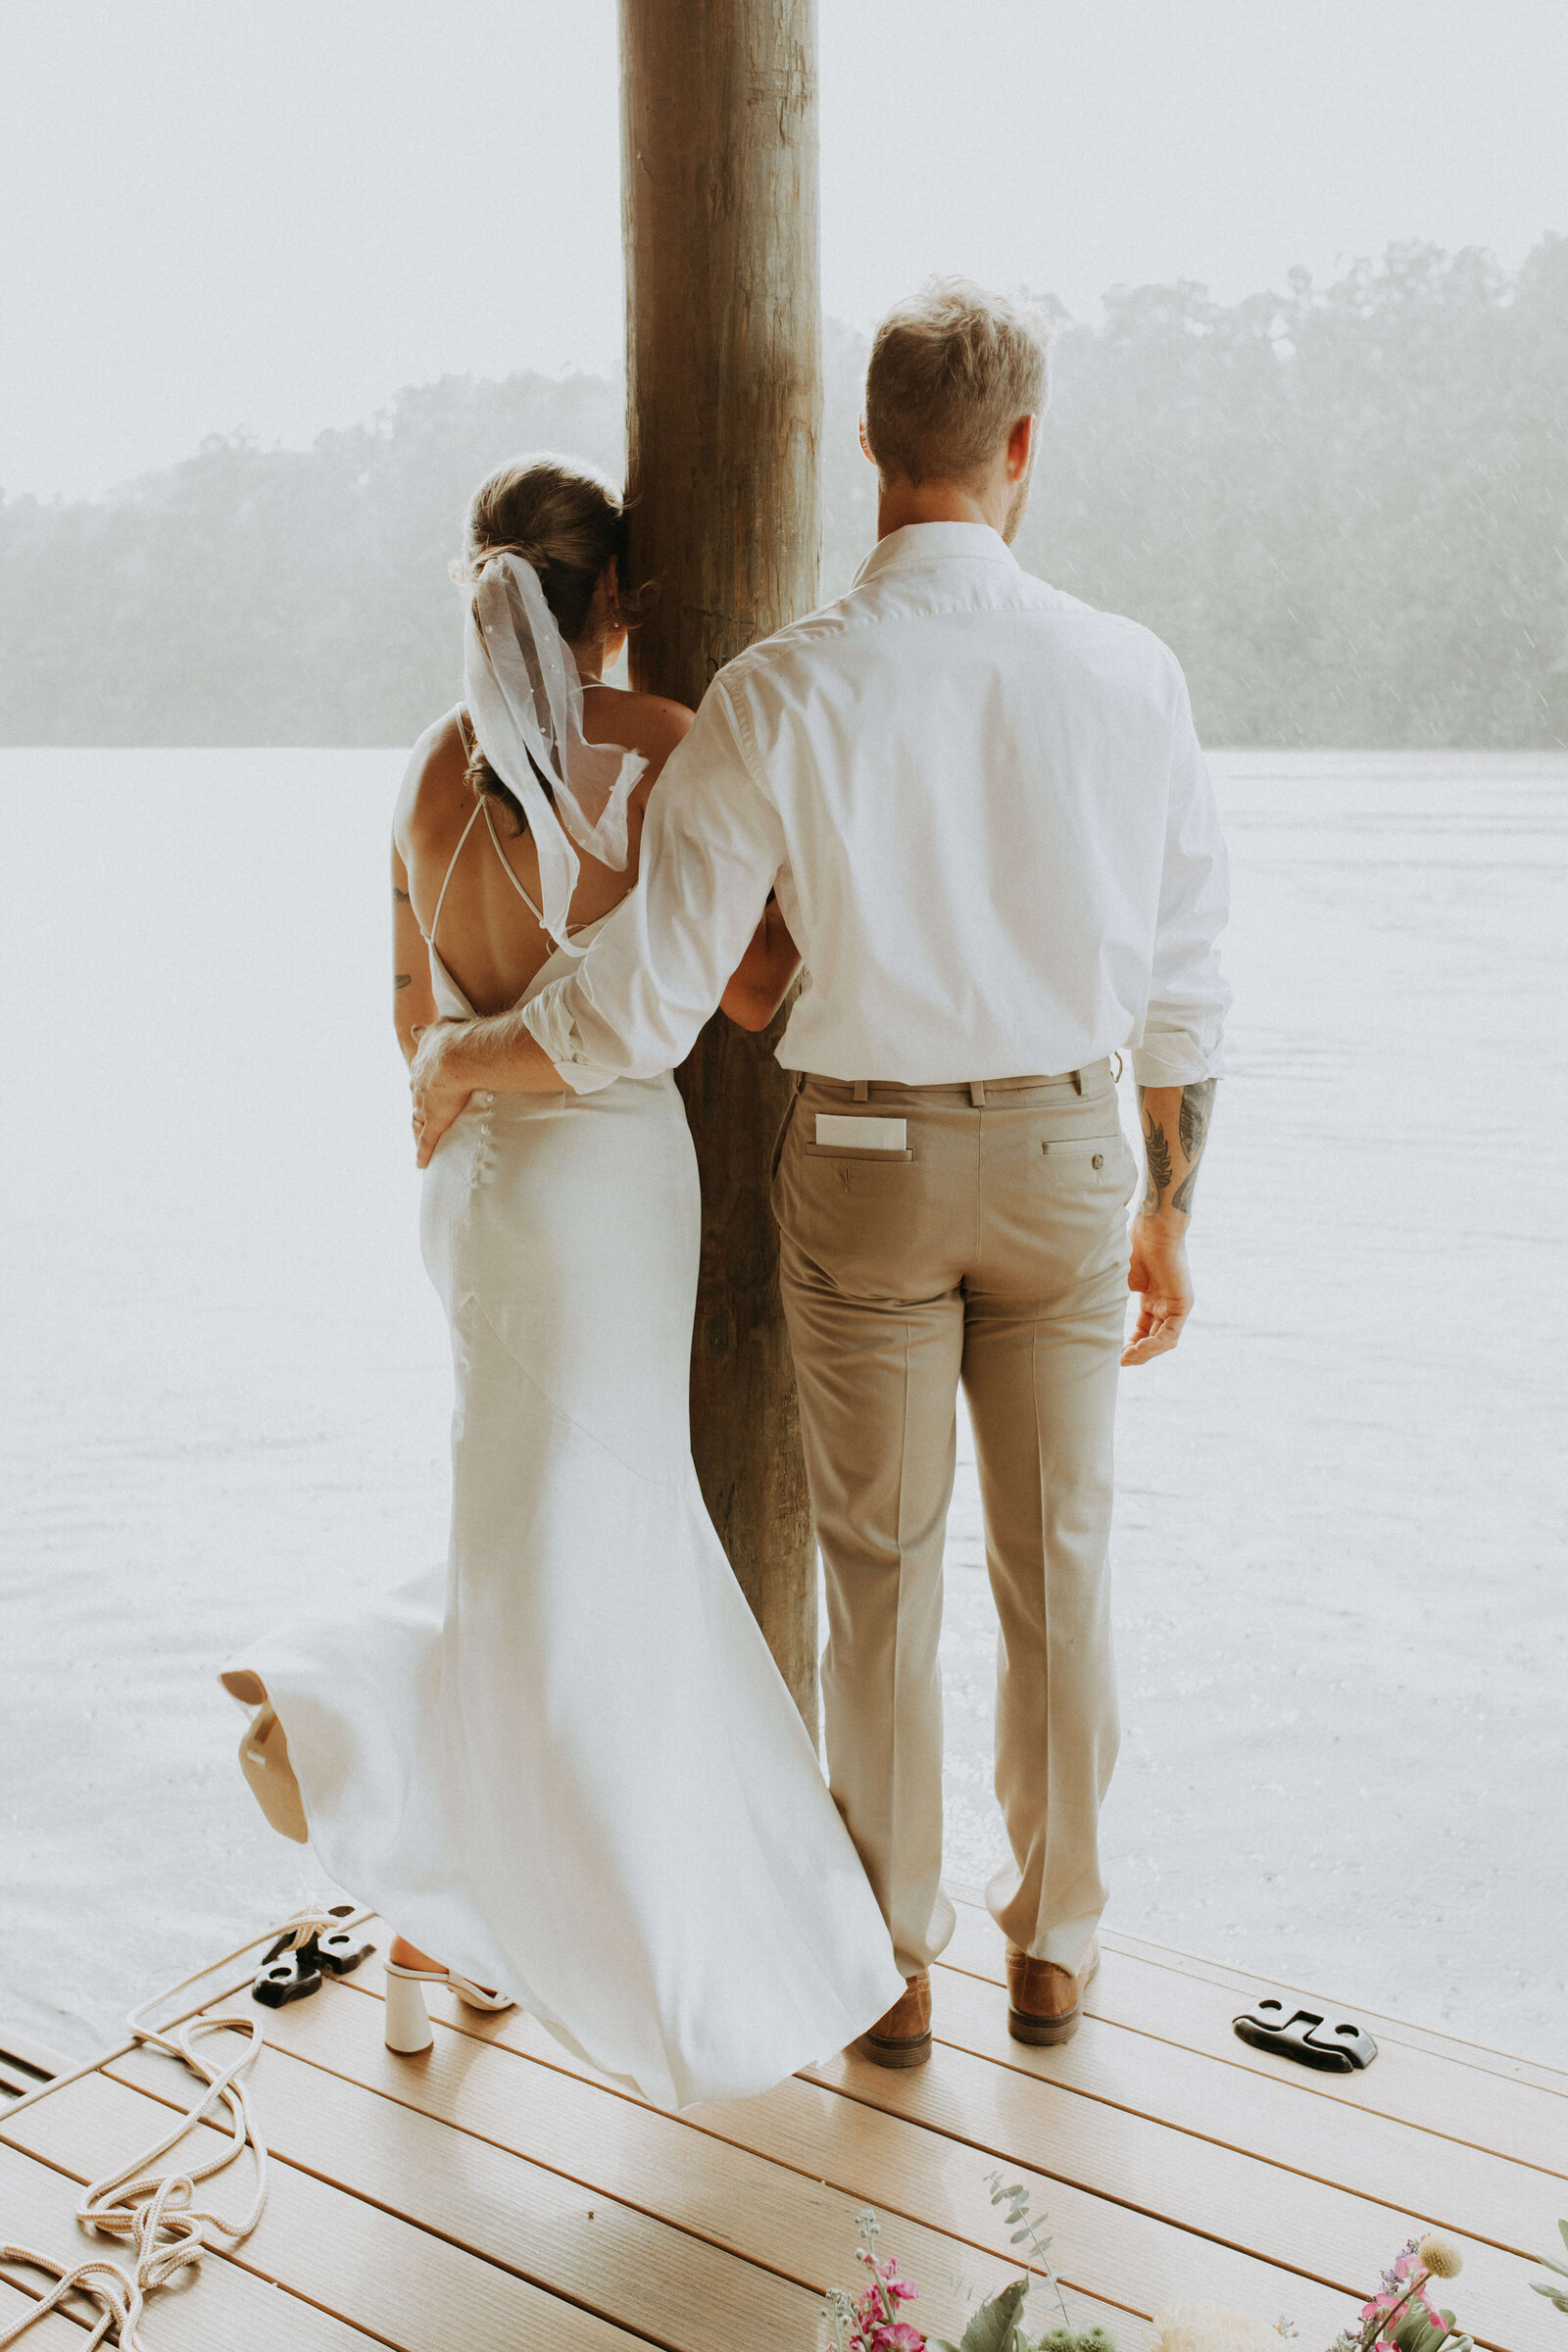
1159	1271
438	1099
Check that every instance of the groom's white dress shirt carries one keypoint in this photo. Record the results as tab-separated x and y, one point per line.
985	813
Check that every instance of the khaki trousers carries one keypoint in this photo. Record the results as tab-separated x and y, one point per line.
991	1248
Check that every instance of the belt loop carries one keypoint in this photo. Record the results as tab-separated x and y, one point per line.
977	1093
863	1090
1077	1082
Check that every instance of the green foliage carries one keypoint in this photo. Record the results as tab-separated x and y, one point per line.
1032	2236
1346	508
998	2325
994	2325
1543	2286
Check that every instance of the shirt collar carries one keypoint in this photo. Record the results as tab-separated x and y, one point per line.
936	543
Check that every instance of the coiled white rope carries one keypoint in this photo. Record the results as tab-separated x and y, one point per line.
156	2211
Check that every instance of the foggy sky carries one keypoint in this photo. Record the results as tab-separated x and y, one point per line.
216	217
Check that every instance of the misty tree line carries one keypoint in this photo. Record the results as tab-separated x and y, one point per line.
1346	508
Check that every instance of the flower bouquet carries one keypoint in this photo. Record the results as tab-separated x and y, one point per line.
1402	2317
1399	2318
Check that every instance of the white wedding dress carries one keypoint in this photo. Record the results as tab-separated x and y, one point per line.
566	1762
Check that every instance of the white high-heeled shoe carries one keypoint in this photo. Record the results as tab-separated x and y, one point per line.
407	2022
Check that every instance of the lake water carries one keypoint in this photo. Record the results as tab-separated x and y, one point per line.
1339	1550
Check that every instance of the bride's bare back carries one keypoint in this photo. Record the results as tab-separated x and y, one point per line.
489	940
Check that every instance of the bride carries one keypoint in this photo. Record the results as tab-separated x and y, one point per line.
564	1761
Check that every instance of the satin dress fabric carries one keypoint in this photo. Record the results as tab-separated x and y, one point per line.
566	1762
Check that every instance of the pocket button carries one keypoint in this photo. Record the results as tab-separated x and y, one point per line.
1098	1160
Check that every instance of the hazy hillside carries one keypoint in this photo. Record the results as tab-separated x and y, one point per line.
1347	508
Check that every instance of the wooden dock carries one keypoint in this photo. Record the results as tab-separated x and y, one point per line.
494	2195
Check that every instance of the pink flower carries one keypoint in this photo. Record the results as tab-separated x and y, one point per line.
877	2328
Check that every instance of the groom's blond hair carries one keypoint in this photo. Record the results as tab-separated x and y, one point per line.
952	370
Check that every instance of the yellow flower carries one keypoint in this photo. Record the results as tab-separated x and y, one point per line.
1208	2327
1441	2259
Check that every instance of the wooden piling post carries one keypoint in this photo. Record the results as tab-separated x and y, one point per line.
725	412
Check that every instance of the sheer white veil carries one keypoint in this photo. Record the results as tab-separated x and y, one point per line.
525	703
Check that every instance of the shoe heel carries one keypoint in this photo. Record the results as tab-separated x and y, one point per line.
408	2026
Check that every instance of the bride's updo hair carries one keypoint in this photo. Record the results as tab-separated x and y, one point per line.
565	518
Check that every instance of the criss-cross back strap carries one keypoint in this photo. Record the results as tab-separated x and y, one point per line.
506	862
429	937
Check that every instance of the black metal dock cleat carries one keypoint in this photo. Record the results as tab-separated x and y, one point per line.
293	1968
337	1948
1291	2031
287	1974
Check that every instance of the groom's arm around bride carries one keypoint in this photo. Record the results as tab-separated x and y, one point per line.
984	812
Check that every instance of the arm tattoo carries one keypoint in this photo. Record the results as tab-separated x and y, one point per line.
1157	1152
402	979
1197	1104
1198	1107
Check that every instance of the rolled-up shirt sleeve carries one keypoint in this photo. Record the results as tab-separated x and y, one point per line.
1188	996
712	850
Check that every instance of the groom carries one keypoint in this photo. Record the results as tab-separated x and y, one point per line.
985	815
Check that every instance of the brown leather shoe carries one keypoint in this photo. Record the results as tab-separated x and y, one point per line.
1043	2001
903	2038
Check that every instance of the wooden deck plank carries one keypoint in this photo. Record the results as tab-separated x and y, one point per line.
1105	2248
1446	2183
1412	2081
798	2227
220	2305
382	2276
576	2242
1329	2233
